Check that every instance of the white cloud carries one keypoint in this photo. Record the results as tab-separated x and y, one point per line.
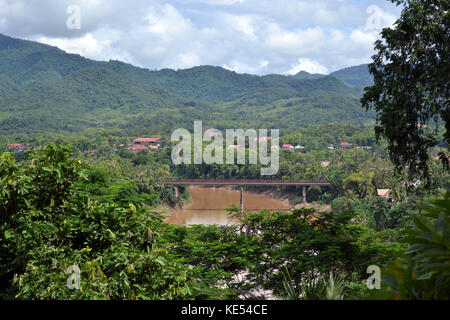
167	22
307	65
86	45
294	42
95	46
253	36
239	67
219	2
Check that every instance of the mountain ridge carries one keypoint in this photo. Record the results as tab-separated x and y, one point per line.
55	90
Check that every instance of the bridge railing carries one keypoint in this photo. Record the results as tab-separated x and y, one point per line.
245	181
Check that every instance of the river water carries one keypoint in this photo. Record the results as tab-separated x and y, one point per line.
207	206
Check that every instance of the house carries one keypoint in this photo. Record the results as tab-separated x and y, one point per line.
235	147
385	193
325	163
287	146
263	139
346	145
214	133
138	148
147	141
331	147
154	142
440	157
299	147
17	147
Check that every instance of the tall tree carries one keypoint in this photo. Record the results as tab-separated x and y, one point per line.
411	83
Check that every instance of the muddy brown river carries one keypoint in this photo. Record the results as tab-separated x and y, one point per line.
207	206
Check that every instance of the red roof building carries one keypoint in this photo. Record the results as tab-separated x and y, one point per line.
17	147
146	140
138	148
346	145
287	146
263	139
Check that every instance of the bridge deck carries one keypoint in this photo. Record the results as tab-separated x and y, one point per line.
247	182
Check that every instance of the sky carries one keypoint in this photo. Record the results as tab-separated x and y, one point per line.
246	36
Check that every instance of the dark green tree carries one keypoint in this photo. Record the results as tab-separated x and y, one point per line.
54	215
411	83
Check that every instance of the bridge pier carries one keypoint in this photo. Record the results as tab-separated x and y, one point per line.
177	193
304	195
242	198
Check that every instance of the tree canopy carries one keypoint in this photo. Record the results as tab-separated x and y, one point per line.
411	83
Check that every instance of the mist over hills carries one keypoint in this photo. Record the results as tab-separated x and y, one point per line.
44	89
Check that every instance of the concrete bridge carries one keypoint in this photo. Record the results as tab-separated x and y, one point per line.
247	182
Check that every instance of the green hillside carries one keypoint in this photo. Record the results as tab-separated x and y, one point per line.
90	97
44	89
306	75
355	76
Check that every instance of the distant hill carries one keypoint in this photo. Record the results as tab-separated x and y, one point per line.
44	89
355	76
308	76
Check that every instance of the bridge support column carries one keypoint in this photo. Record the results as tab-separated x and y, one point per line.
242	198
177	193
304	195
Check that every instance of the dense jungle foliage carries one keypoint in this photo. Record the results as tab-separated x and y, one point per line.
82	215
57	211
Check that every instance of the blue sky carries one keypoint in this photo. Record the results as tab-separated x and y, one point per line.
247	36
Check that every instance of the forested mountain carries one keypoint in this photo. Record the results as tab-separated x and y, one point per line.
307	75
43	88
355	76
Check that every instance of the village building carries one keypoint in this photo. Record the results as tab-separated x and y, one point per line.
17	147
262	139
325	163
138	148
385	193
346	145
151	143
440	157
148	142
235	147
287	146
